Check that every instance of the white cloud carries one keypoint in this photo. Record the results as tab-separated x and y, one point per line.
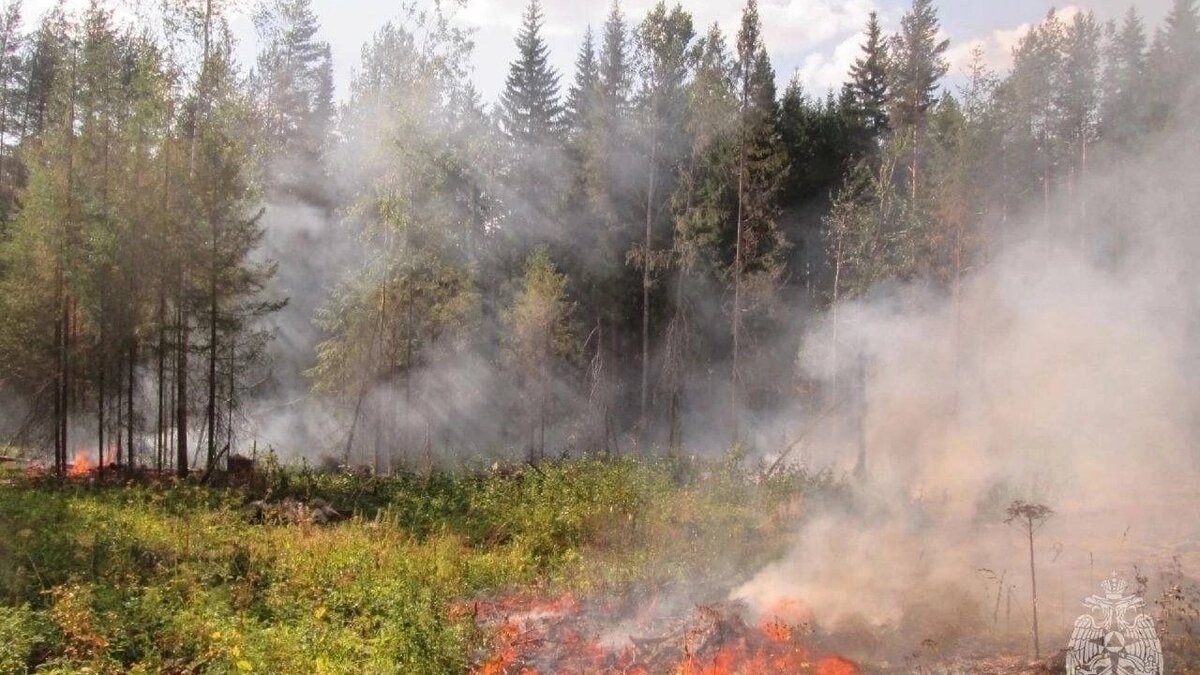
997	47
790	26
821	71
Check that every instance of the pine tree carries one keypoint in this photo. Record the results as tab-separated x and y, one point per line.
1031	94
49	49
760	170
232	282
294	85
869	78
13	76
701	205
1173	60
663	44
1124	108
918	64
1078	101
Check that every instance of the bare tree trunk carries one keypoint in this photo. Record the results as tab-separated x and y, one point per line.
60	374
65	380
957	293
129	419
100	401
737	278
1037	649
181	395
916	160
1082	207
201	110
379	413
232	383
120	410
212	350
833	307
160	440
647	258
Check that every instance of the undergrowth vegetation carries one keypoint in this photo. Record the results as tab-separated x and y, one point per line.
180	578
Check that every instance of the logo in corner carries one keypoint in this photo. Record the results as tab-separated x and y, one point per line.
1114	637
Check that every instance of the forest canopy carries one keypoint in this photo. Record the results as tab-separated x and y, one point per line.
618	259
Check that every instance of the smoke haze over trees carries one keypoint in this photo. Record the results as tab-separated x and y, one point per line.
198	255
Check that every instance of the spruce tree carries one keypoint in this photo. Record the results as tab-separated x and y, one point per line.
530	111
761	167
918	64
1173	60
615	74
532	119
1125	105
582	96
869	78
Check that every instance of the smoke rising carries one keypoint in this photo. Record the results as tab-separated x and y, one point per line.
1062	371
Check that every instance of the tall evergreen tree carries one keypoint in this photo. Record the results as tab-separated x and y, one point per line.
1173	60
1078	100
918	64
761	167
1125	109
615	72
584	91
294	87
13	76
869	78
530	111
663	47
531	117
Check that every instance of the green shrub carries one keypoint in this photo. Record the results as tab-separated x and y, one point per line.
22	631
178	578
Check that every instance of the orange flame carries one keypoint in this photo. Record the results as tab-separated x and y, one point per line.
836	665
81	465
559	635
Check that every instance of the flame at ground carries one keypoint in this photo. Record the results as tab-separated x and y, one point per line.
566	637
81	465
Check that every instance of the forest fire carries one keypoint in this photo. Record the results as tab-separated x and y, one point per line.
563	636
81	466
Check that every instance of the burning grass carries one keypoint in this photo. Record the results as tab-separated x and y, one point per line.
568	637
180	578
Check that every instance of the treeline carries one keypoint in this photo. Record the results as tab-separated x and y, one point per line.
128	296
613	262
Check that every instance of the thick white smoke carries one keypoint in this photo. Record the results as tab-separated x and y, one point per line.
1063	371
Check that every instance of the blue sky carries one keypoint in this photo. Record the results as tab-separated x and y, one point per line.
813	39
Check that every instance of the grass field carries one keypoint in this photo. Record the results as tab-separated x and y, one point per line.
163	577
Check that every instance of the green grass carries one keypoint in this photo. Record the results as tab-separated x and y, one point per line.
179	579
